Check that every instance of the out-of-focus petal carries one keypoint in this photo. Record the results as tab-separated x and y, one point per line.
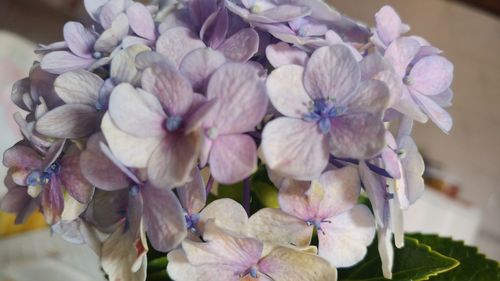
241	46
131	151
78	86
163	218
277	227
69	121
331	72
294	148
108	207
389	25
286	91
281	13
345	239
386	251
233	158
413	169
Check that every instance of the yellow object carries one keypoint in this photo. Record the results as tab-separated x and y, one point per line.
8	227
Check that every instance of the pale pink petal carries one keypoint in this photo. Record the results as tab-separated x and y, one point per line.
199	65
400	53
59	62
294	201
79	39
238	89
407	106
233	158
277	227
390	157
227	214
241	46
136	113
286	264
180	269
283	54
141	21
345	239
78	86
131	151
69	121
286	91
331	72
163	218
172	161
372	96
193	195
431	75
294	148
177	42
172	89
389	25
436	113
111	10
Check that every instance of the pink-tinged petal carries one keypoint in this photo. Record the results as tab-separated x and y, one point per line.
72	178
345	239
372	96
109	12
431	75
277	227
172	89
141	21
198	113
390	157
407	106
389	25
163	218
193	195
238	89
130	173
393	82
241	46
373	64
131	151
214	29
400	53
172	161
137	113
334	192
281	13
233	158
120	253
19	176
177	42
375	187
78	86
63	61
294	148
93	7
331	72
436	113
223	248
413	169
199	65
227	214
357	135
443	99
79	39
180	269
286	264
108	208
98	169
69	121
281	54
150	58
52	201
294	201
21	156
386	251
112	36
286	91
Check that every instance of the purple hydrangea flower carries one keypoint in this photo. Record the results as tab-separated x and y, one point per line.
327	110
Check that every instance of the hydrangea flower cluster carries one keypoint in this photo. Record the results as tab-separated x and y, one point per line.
125	115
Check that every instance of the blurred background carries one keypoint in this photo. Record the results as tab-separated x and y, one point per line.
463	175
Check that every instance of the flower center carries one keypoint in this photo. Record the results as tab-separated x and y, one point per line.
173	123
317	224
322	111
37	179
192	222
97	55
212	133
408	81
252	272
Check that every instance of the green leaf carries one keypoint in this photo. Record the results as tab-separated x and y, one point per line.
474	266
266	193
157	269
416	261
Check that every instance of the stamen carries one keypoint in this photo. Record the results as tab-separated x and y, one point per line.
134	190
97	55
212	133
192	222
408	81
401	153
173	123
